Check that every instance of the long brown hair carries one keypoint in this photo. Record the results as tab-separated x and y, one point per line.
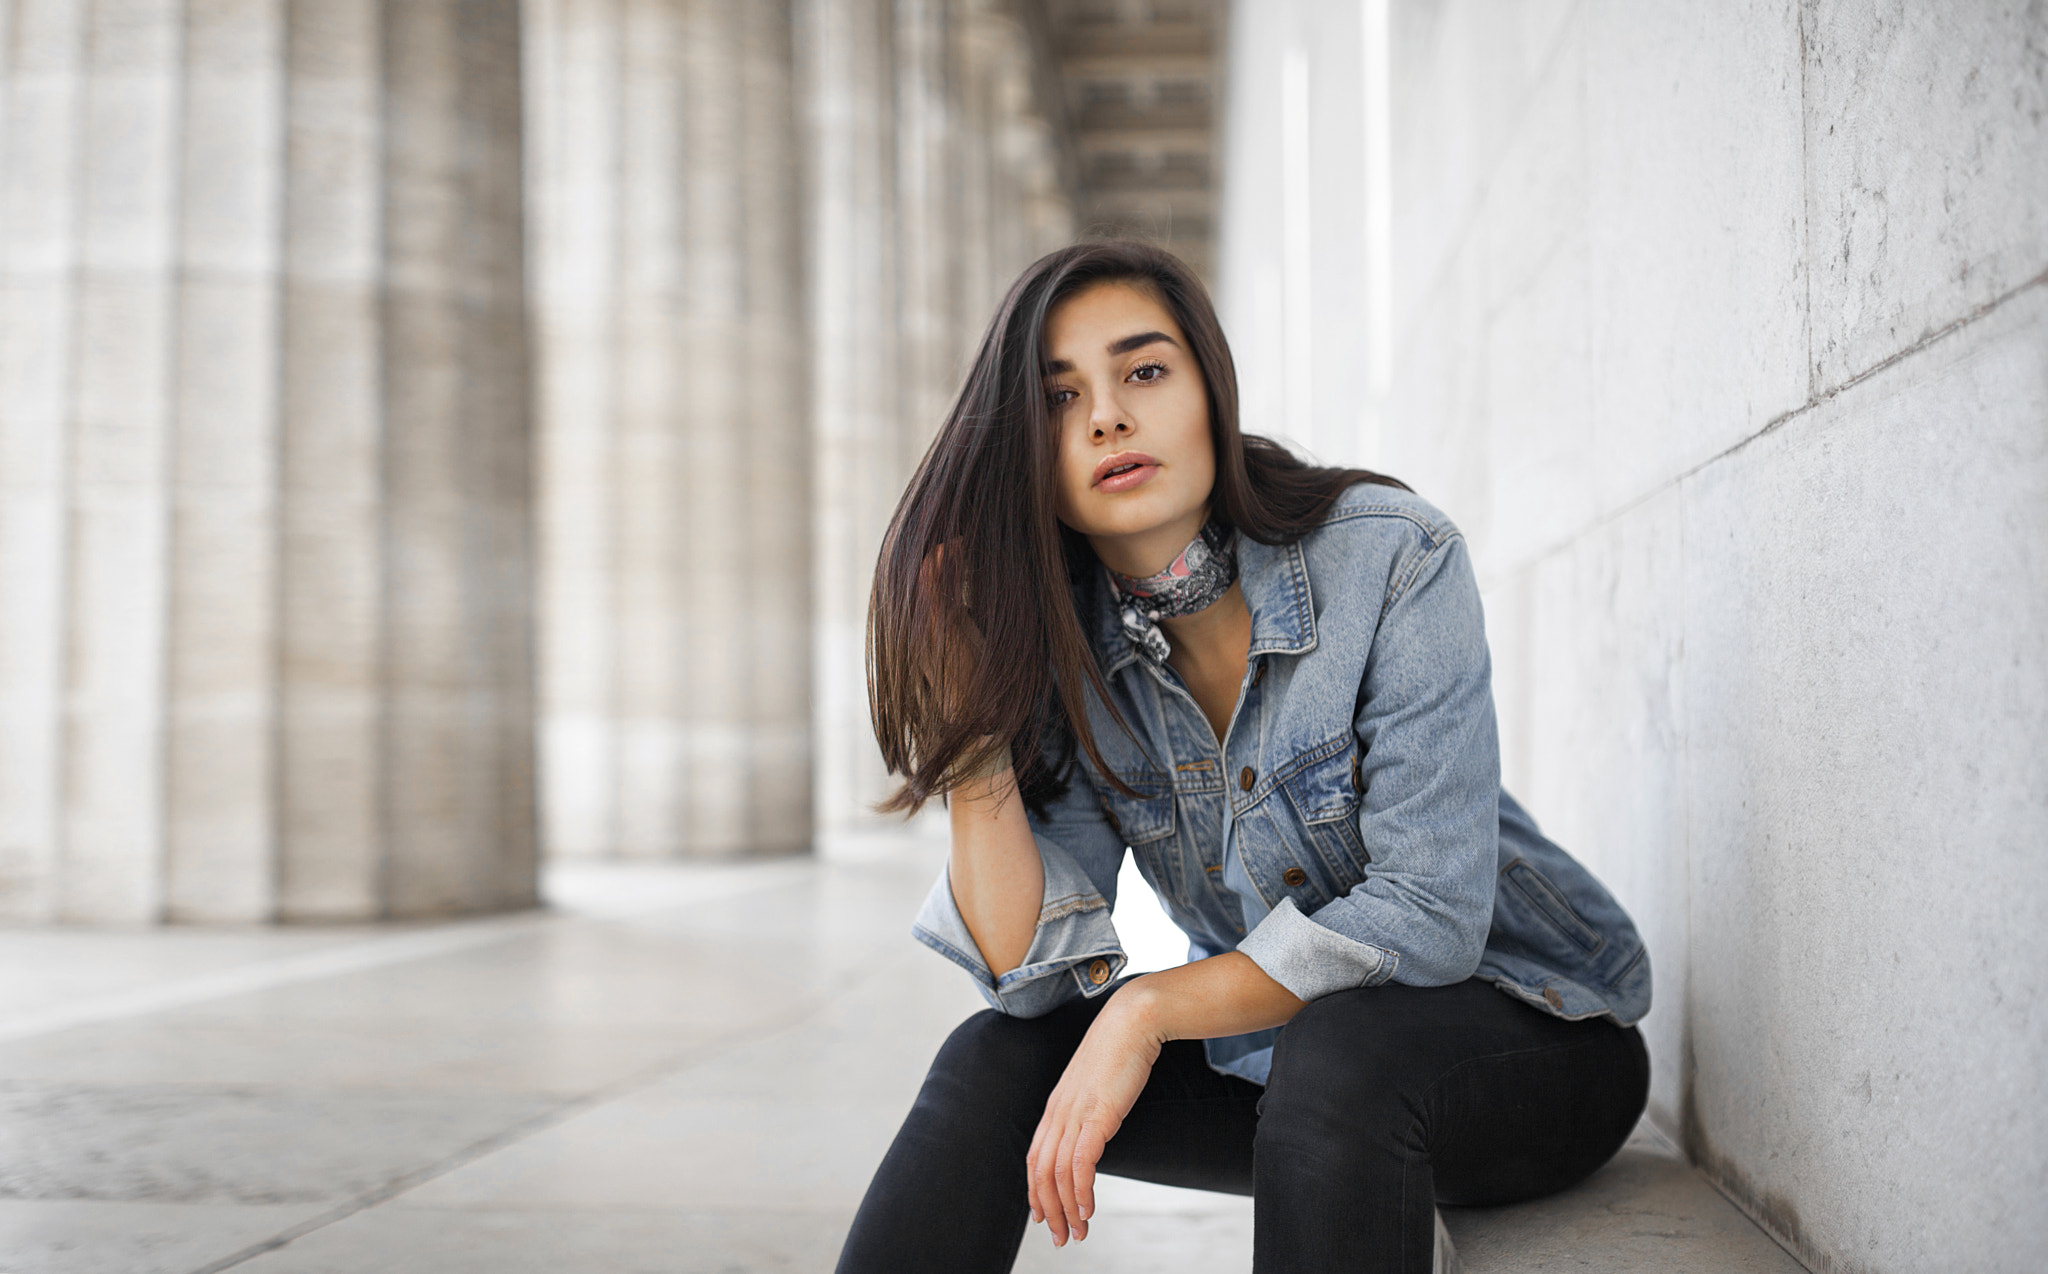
973	637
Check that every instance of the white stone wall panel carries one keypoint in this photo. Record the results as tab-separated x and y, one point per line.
1868	680
1438	432
1768	650
1927	154
1697	221
1462	73
1605	695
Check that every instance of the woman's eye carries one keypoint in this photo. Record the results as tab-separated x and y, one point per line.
1146	373
1061	397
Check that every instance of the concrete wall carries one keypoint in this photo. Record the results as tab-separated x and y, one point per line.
1723	332
264	597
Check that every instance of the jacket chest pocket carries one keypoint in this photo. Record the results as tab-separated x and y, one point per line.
1145	823
1326	794
1139	819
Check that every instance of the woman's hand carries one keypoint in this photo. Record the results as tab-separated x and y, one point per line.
1101	1082
1200	1000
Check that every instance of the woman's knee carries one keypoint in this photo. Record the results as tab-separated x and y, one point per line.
995	1064
1332	1069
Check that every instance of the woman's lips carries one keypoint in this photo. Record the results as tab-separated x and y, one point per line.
1127	479
1124	470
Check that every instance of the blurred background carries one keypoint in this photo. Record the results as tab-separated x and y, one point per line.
442	437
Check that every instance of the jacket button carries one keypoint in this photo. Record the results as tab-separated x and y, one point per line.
1098	972
1259	673
1245	778
1295	877
1357	774
1552	998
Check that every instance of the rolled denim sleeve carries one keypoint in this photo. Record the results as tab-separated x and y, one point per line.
1081	856
1311	960
1429	819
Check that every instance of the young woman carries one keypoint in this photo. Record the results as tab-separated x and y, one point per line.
1104	620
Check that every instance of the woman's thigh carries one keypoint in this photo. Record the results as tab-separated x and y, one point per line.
1189	1126
1495	1100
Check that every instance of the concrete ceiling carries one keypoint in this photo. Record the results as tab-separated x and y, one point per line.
1141	82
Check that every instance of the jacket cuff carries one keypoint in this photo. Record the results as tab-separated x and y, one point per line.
1310	960
1074	950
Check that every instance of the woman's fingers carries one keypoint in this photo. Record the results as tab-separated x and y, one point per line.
1063	1178
1087	1153
1044	1192
1031	1191
1059	1169
1102	1082
1049	1198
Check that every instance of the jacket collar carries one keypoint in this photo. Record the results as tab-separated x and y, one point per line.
1276	589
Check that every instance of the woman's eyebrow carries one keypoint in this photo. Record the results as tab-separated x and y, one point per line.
1123	345
1142	339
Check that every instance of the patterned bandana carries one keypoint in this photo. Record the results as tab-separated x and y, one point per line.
1194	581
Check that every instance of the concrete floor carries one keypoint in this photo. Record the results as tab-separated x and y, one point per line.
672	1069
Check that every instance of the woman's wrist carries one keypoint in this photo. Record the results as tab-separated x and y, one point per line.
1221	995
1140	1006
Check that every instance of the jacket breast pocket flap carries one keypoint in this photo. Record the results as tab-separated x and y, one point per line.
1143	818
1326	789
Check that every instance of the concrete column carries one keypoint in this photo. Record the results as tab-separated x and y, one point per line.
675	493
778	513
40	248
331	468
974	52
846	64
220	563
928	137
931	181
753	231
458	664
262	529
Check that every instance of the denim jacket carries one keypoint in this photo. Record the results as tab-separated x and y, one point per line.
1349	830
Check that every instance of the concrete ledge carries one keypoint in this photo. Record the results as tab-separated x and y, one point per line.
1646	1210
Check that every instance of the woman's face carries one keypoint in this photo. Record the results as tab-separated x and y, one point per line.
1136	462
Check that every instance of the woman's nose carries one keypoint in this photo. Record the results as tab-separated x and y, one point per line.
1103	431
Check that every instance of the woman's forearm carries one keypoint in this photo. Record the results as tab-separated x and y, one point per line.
997	877
1223	995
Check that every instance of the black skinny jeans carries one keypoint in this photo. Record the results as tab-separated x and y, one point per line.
1382	1102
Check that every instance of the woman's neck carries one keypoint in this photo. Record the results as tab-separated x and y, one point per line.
1148	552
1217	635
